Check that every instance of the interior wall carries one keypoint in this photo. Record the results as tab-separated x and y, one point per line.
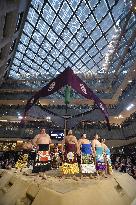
119	143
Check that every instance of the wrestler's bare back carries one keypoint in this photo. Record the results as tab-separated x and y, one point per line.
96	143
70	139
85	141
104	147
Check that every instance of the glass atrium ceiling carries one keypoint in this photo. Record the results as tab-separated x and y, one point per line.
85	35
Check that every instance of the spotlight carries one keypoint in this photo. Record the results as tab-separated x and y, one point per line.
20	117
130	107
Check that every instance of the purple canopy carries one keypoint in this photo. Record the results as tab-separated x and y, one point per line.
67	77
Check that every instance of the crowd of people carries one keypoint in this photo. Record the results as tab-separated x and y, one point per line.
124	159
74	157
125	165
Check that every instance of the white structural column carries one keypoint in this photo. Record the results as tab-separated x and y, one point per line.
9	14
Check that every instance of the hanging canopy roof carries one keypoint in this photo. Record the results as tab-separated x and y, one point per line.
67	77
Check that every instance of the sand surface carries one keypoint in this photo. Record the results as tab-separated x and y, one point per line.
25	188
54	181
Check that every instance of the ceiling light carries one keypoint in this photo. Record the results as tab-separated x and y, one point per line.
48	118
120	116
129	81
116	117
20	117
130	107
124	71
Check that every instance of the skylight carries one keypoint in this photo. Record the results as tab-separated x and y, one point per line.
78	33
